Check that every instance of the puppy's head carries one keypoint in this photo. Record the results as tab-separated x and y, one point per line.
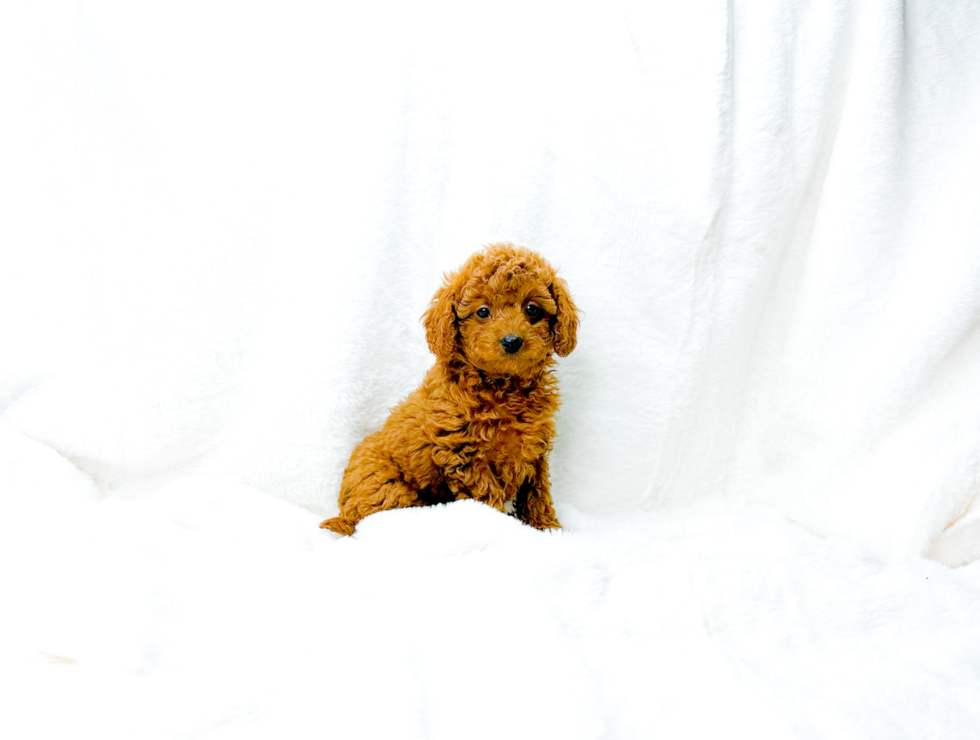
505	311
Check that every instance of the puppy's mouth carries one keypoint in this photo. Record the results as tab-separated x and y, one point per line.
514	356
510	353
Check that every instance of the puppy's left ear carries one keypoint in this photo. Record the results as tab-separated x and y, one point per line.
439	321
566	320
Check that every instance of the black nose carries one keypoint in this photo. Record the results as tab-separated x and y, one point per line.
511	344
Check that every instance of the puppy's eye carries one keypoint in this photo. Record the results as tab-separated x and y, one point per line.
534	312
483	312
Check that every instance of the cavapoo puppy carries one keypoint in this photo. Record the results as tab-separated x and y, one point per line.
482	423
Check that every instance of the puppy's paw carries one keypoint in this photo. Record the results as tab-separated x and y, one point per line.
544	523
339	525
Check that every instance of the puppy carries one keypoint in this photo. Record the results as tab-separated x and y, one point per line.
482	423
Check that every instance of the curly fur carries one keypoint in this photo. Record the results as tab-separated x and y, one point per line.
482	423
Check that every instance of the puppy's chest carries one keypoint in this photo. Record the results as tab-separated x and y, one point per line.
507	440
505	443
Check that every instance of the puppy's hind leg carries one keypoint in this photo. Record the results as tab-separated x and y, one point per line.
363	494
340	525
394	494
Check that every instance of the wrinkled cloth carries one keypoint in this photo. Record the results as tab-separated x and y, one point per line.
220	224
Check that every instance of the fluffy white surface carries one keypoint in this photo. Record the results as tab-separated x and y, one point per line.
220	224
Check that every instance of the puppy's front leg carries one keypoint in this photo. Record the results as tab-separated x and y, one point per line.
533	503
478	480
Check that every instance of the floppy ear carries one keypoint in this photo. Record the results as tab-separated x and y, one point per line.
439	321
566	320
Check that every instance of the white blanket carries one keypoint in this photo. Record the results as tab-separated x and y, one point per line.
220	225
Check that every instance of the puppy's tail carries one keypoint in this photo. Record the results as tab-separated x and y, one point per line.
339	525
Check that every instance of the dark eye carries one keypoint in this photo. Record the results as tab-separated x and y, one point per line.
534	312
483	312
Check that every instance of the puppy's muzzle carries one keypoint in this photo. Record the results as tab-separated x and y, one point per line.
511	344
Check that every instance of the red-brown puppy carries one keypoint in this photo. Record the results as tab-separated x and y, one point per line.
481	424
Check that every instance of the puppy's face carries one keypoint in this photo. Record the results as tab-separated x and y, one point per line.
504	312
505	324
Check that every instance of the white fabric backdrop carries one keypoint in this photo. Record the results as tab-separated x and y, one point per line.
221	228
222	222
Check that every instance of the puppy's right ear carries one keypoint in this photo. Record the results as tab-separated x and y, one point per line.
440	322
